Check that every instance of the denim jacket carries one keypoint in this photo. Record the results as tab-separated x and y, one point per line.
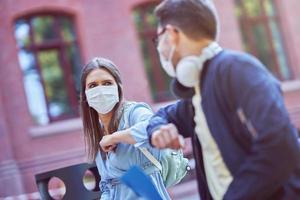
125	156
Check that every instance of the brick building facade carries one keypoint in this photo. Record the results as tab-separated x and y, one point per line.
33	142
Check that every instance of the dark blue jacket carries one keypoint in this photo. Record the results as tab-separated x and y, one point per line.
246	115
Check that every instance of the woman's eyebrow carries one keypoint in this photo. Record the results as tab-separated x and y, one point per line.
92	82
106	80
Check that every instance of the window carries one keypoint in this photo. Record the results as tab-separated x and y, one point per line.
261	35
146	25
50	62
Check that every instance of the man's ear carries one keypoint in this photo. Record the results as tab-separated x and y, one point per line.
173	34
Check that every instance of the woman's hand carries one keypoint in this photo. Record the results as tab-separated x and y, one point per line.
108	143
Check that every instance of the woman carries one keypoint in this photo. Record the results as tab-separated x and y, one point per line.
110	141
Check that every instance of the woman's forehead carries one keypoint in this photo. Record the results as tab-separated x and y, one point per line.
99	75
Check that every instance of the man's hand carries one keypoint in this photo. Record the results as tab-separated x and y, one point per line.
167	137
107	143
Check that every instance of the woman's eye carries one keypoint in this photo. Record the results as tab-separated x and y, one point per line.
92	85
107	83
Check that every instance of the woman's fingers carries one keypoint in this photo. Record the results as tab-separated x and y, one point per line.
108	148
112	147
106	144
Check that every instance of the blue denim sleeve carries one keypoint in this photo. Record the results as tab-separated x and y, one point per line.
258	96
138	119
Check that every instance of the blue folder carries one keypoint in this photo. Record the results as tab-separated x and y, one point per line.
140	183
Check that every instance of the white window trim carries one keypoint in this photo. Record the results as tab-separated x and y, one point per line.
76	124
290	86
54	128
286	86
72	125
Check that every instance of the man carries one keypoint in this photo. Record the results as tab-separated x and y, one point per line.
244	144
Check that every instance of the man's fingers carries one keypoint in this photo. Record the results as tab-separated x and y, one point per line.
166	137
178	143
158	139
173	133
161	139
171	129
174	139
181	141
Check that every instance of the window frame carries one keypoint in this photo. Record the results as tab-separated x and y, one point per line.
61	47
246	23
160	88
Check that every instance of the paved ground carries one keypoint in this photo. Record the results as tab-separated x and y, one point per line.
185	191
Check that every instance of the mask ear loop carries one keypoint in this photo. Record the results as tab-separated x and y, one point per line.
172	51
171	54
171	70
169	61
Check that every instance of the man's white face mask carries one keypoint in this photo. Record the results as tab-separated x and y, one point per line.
166	63
188	68
102	98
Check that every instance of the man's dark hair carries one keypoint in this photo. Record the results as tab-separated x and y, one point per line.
195	18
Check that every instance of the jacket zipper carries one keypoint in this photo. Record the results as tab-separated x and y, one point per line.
247	123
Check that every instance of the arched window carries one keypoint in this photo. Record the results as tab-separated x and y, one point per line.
146	25
50	61
262	36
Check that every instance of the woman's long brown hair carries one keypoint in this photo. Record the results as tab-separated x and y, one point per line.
93	131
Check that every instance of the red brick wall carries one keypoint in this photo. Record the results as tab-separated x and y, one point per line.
229	28
104	29
289	15
109	31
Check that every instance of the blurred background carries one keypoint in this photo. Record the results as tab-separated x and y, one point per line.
45	43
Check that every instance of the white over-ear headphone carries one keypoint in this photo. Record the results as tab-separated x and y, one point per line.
188	68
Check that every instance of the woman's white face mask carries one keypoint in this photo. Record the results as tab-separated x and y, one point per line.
103	98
